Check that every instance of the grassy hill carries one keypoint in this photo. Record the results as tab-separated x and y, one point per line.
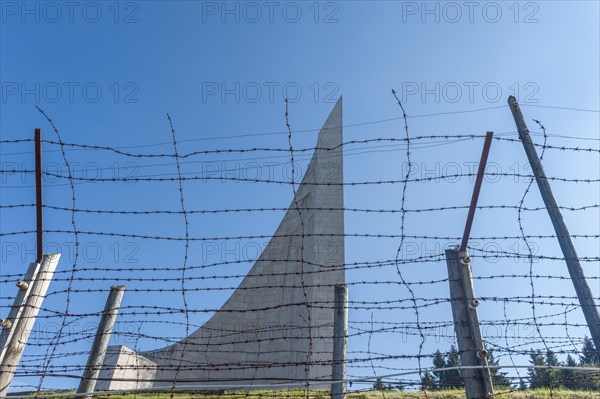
298	394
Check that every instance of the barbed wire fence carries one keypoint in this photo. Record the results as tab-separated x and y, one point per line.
116	229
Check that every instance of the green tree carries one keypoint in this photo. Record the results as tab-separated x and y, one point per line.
499	379
544	377
589	355
569	377
552	376
428	382
439	362
589	358
452	378
536	377
378	385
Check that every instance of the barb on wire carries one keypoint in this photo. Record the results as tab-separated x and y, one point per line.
55	341
398	326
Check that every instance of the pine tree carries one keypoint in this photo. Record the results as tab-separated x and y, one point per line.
452	379
428	382
589	354
498	379
569	377
378	385
551	376
589	358
438	376
551	358
536	375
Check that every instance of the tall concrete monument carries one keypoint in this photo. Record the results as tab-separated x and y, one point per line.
277	326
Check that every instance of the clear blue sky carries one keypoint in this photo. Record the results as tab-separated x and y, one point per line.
107	73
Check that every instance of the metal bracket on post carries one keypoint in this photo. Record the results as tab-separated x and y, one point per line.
6	324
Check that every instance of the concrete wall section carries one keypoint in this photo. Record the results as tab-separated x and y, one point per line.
277	326
124	369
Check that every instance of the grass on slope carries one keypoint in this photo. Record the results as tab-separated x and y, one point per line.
300	394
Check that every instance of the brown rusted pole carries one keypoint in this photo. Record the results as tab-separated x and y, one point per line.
38	194
484	156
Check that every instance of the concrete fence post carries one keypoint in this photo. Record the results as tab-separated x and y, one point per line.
24	325
584	294
478	381
10	323
100	344
340	340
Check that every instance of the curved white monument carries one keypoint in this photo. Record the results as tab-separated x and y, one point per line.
277	326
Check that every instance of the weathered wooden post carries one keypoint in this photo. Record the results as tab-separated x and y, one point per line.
340	340
98	351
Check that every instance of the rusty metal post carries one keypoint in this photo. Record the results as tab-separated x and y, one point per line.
476	190
38	195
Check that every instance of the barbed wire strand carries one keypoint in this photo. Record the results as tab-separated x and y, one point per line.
60	354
